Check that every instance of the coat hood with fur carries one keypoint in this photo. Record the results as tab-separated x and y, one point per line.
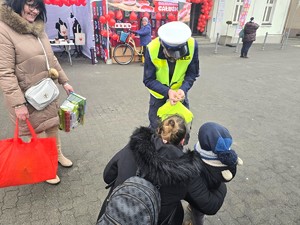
16	22
164	163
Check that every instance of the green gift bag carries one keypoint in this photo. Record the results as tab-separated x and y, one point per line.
167	110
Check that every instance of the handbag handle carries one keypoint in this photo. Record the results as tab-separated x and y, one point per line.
47	61
33	134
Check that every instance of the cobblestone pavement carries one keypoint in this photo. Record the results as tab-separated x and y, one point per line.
257	99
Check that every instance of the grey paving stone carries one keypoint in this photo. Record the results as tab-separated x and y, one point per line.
256	99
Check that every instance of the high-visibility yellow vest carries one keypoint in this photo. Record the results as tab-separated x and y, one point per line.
162	68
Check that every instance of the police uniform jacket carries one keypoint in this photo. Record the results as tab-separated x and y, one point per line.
150	73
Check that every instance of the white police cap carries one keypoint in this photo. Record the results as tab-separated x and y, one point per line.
174	33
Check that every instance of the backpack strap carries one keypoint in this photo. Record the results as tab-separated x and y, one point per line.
110	184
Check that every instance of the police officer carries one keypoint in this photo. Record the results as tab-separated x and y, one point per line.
171	67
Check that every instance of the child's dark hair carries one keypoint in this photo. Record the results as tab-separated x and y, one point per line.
172	129
18	5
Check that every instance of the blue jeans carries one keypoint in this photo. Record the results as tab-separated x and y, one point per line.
245	48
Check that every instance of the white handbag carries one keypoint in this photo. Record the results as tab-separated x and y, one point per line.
42	94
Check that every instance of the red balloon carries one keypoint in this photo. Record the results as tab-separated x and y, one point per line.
47	2
102	19
66	2
115	37
111	14
111	22
146	14
133	16
72	2
158	16
107	17
119	15
55	2
171	17
104	33
77	3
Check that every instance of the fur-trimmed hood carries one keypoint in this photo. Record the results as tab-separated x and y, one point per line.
163	163
19	24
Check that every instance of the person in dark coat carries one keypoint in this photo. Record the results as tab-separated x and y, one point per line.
249	36
159	155
220	161
145	35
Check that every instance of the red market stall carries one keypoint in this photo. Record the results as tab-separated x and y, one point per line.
109	16
101	19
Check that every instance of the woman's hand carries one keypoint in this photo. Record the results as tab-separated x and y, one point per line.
22	112
68	88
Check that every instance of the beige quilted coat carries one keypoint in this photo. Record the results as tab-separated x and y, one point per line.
23	64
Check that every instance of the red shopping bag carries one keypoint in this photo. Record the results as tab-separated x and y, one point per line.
27	162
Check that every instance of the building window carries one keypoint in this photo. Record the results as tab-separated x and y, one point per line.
237	10
268	13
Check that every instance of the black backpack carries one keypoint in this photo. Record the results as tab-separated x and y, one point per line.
136	201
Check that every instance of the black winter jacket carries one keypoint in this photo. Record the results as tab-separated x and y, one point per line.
177	173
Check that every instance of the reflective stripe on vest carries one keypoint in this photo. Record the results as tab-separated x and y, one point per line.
162	68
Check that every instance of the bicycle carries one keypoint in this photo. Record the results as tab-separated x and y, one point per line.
124	52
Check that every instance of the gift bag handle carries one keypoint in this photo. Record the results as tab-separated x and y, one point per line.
33	134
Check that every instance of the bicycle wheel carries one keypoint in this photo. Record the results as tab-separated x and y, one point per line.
123	54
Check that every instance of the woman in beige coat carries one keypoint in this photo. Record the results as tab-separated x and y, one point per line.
23	63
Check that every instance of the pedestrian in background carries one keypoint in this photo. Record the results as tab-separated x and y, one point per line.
25	53
145	36
171	67
249	36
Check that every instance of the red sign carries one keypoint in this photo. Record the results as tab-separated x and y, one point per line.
166	7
